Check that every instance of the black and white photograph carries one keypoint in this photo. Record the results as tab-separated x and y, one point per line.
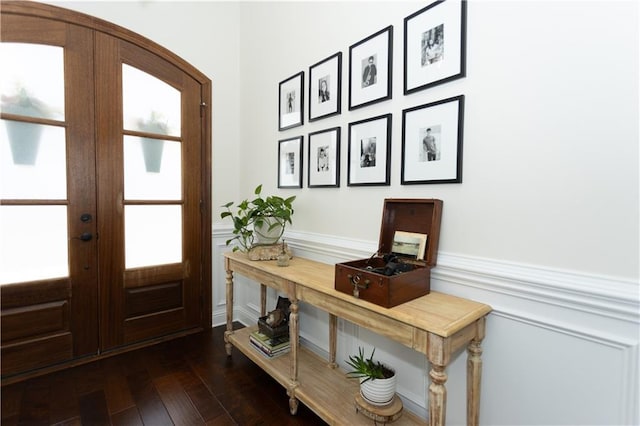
370	69
325	87
324	94
369	152
324	158
435	45
291	101
432	142
409	244
430	139
290	163
432	46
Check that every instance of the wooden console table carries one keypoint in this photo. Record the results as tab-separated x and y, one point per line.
437	325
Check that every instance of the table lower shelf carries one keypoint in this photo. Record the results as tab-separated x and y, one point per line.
323	389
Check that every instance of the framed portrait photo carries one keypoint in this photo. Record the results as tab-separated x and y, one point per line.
291	102
290	163
324	158
325	87
435	45
370	69
369	152
432	142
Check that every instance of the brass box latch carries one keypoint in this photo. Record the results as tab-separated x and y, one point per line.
357	285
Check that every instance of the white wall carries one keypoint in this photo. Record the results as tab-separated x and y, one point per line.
207	35
551	126
544	226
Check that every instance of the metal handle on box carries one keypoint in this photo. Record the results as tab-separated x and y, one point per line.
355	282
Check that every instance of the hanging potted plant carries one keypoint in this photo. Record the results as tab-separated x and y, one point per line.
261	221
24	138
377	380
152	148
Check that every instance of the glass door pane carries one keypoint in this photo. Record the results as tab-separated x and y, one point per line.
33	161
153	235
32	80
149	104
33	243
152	170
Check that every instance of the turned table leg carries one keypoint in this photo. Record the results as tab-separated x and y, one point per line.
474	374
439	354
293	402
229	307
437	395
294	330
333	338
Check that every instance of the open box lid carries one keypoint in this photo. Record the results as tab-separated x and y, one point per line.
419	215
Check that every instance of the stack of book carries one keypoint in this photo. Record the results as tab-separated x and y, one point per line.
270	347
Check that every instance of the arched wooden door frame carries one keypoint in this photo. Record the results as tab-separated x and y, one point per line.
96	25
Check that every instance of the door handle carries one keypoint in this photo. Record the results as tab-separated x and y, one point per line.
86	236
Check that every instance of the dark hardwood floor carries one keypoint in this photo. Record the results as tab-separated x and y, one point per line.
187	381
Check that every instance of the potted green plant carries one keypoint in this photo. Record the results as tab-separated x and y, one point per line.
377	380
259	221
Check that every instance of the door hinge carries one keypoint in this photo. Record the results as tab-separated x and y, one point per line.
203	108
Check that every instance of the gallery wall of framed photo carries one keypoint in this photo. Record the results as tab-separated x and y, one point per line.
433	45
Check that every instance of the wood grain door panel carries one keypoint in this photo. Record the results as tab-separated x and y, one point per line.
145	302
54	320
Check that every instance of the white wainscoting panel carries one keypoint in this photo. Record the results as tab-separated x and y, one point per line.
561	346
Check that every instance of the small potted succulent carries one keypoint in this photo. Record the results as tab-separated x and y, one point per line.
259	221
377	380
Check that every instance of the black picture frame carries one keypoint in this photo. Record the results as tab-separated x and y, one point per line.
370	69
290	162
432	137
325	88
435	45
291	102
323	167
369	152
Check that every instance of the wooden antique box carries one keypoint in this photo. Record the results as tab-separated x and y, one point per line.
401	268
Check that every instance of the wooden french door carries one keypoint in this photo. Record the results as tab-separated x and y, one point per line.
105	229
146	208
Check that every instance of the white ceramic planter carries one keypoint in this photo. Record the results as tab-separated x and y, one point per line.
266	236
378	391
